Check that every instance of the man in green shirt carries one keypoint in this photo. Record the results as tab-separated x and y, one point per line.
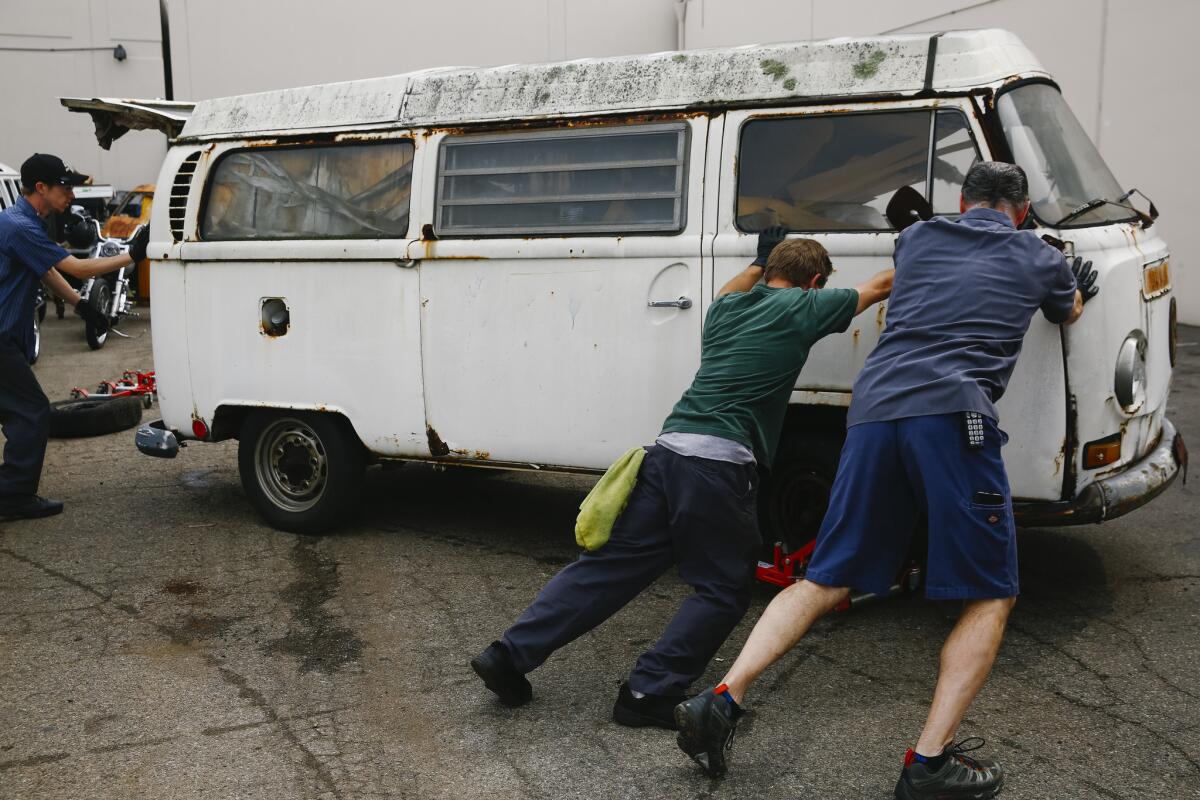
694	505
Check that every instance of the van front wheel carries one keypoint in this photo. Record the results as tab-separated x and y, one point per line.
302	471
793	501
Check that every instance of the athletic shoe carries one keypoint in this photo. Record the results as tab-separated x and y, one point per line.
959	778
28	506
496	669
656	710
707	723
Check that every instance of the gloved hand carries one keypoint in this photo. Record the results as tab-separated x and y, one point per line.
767	240
91	316
1085	278
137	245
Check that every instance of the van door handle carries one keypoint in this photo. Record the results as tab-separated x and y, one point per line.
683	302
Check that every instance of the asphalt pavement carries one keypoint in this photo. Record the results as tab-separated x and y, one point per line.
157	640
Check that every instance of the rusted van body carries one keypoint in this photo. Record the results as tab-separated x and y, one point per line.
509	267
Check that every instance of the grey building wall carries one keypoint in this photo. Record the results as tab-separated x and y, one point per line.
1124	65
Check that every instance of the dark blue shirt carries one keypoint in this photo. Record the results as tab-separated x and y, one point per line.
26	254
964	295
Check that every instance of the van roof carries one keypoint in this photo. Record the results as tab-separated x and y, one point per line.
888	65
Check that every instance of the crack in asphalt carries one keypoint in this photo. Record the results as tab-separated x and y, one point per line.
245	691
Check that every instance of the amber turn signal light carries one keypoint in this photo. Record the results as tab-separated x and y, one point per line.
1102	452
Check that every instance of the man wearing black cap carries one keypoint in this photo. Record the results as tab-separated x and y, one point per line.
27	255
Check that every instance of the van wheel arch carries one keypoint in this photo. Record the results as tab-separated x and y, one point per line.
793	498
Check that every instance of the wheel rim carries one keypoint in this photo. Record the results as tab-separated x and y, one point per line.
291	465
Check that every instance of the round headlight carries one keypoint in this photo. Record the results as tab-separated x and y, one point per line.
1129	383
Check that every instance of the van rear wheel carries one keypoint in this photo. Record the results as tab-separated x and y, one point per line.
302	471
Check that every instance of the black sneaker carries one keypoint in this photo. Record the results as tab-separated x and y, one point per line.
496	669
28	506
959	778
707	723
657	710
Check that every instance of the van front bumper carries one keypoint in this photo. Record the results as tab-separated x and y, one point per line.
1118	494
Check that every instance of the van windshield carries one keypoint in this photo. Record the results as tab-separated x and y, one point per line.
1065	170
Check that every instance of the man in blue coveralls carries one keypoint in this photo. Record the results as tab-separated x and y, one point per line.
27	256
923	438
694	505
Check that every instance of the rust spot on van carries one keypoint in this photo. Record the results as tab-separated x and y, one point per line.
437	448
881	315
857	333
482	455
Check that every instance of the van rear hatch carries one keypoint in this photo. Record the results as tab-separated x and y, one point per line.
114	117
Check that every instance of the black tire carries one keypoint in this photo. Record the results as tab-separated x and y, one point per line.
302	471
100	299
93	416
793	501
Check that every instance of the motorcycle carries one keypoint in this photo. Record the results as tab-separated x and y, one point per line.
108	294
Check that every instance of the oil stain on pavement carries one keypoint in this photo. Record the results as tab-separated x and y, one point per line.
314	636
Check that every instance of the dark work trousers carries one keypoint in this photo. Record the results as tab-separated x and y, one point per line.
25	418
694	513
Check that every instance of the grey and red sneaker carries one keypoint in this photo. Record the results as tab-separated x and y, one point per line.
706	724
957	777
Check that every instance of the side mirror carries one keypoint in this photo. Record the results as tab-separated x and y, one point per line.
906	207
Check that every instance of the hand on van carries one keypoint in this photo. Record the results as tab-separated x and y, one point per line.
767	240
138	243
1085	278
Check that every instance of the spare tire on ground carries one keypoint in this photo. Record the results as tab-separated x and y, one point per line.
94	416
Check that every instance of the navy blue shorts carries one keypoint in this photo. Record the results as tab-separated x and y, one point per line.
892	472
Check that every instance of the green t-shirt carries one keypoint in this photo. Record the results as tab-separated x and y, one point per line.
754	346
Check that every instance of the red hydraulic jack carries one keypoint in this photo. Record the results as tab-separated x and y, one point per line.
788	568
141	384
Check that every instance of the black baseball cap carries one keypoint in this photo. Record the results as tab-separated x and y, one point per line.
51	170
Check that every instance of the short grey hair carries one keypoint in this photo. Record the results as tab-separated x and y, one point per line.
995	182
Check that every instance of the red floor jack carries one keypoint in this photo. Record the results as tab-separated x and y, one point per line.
788	568
141	384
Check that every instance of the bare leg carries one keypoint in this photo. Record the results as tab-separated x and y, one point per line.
786	620
966	661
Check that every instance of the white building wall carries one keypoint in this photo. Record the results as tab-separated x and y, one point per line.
223	47
31	118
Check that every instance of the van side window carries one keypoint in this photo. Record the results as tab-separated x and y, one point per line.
352	191
836	172
626	179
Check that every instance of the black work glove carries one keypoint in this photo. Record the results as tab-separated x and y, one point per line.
137	245
91	316
1085	278
767	240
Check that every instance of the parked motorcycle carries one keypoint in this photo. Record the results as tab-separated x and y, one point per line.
108	295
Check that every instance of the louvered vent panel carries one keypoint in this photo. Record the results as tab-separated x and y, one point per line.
177	206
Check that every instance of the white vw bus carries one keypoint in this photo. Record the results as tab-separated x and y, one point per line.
509	267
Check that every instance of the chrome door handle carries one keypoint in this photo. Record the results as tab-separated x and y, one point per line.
683	302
